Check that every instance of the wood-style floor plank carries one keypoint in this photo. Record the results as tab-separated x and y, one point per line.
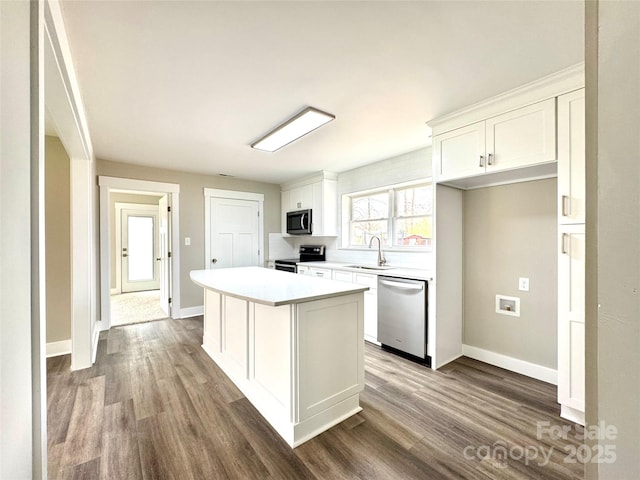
155	406
84	436
120	455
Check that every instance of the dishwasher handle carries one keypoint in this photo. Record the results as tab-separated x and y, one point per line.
403	285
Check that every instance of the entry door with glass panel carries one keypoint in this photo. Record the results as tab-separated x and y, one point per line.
140	270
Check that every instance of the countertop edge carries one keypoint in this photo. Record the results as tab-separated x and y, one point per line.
279	303
404	272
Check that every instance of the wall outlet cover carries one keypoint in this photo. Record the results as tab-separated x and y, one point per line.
523	284
187	241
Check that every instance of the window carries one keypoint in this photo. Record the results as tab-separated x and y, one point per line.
401	216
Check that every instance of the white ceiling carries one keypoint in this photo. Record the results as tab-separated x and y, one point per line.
189	85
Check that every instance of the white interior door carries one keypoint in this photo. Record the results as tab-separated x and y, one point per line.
163	259
234	233
140	270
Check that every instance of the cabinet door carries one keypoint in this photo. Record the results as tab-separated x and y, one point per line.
525	136
301	198
370	305
302	270
285	201
460	152
320	272
371	316
342	276
316	206
571	157
571	276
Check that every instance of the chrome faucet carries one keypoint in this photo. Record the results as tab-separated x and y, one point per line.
381	259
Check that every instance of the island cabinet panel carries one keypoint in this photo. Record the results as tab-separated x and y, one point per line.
330	370
270	354
213	320
292	344
235	334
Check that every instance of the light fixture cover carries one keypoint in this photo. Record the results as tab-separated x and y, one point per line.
304	122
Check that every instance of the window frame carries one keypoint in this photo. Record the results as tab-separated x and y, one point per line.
391	218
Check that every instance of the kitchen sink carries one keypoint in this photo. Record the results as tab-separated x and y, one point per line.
369	267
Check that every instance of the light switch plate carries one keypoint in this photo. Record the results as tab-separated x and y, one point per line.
523	284
187	241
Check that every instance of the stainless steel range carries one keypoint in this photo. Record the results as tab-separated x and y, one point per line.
308	253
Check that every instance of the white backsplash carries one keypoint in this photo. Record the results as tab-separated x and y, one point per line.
420	260
280	248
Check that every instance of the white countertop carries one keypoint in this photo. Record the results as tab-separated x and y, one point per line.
271	287
416	273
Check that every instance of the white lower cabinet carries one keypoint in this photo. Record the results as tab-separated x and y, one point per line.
303	270
370	300
288	377
320	272
571	358
370	305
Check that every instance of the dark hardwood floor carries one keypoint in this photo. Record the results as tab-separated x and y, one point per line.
155	406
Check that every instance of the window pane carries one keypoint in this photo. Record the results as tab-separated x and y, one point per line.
361	232
140	238
413	231
371	206
414	201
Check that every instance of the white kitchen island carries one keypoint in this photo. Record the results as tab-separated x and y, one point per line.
293	345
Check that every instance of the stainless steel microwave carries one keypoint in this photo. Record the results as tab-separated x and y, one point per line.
299	222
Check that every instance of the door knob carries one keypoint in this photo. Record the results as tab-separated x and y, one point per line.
214	260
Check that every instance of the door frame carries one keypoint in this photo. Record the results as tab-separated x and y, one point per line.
210	193
110	185
141	207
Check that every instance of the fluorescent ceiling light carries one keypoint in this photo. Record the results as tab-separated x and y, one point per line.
306	121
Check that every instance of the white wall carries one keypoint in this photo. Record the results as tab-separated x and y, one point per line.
16	441
613	231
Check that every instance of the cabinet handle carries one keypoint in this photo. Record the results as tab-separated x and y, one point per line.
490	159
481	161
563	248
565	209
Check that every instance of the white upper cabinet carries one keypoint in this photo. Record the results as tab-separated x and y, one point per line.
460	152
571	158
519	138
301	198
318	193
525	136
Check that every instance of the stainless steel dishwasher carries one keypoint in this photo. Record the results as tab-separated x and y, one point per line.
402	315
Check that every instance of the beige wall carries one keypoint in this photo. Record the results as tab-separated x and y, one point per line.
58	240
192	213
124	198
613	235
510	232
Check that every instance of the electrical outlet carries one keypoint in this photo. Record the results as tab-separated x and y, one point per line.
187	241
523	284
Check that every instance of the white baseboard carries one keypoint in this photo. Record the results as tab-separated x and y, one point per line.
191	311
576	416
97	328
529	369
55	349
114	291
